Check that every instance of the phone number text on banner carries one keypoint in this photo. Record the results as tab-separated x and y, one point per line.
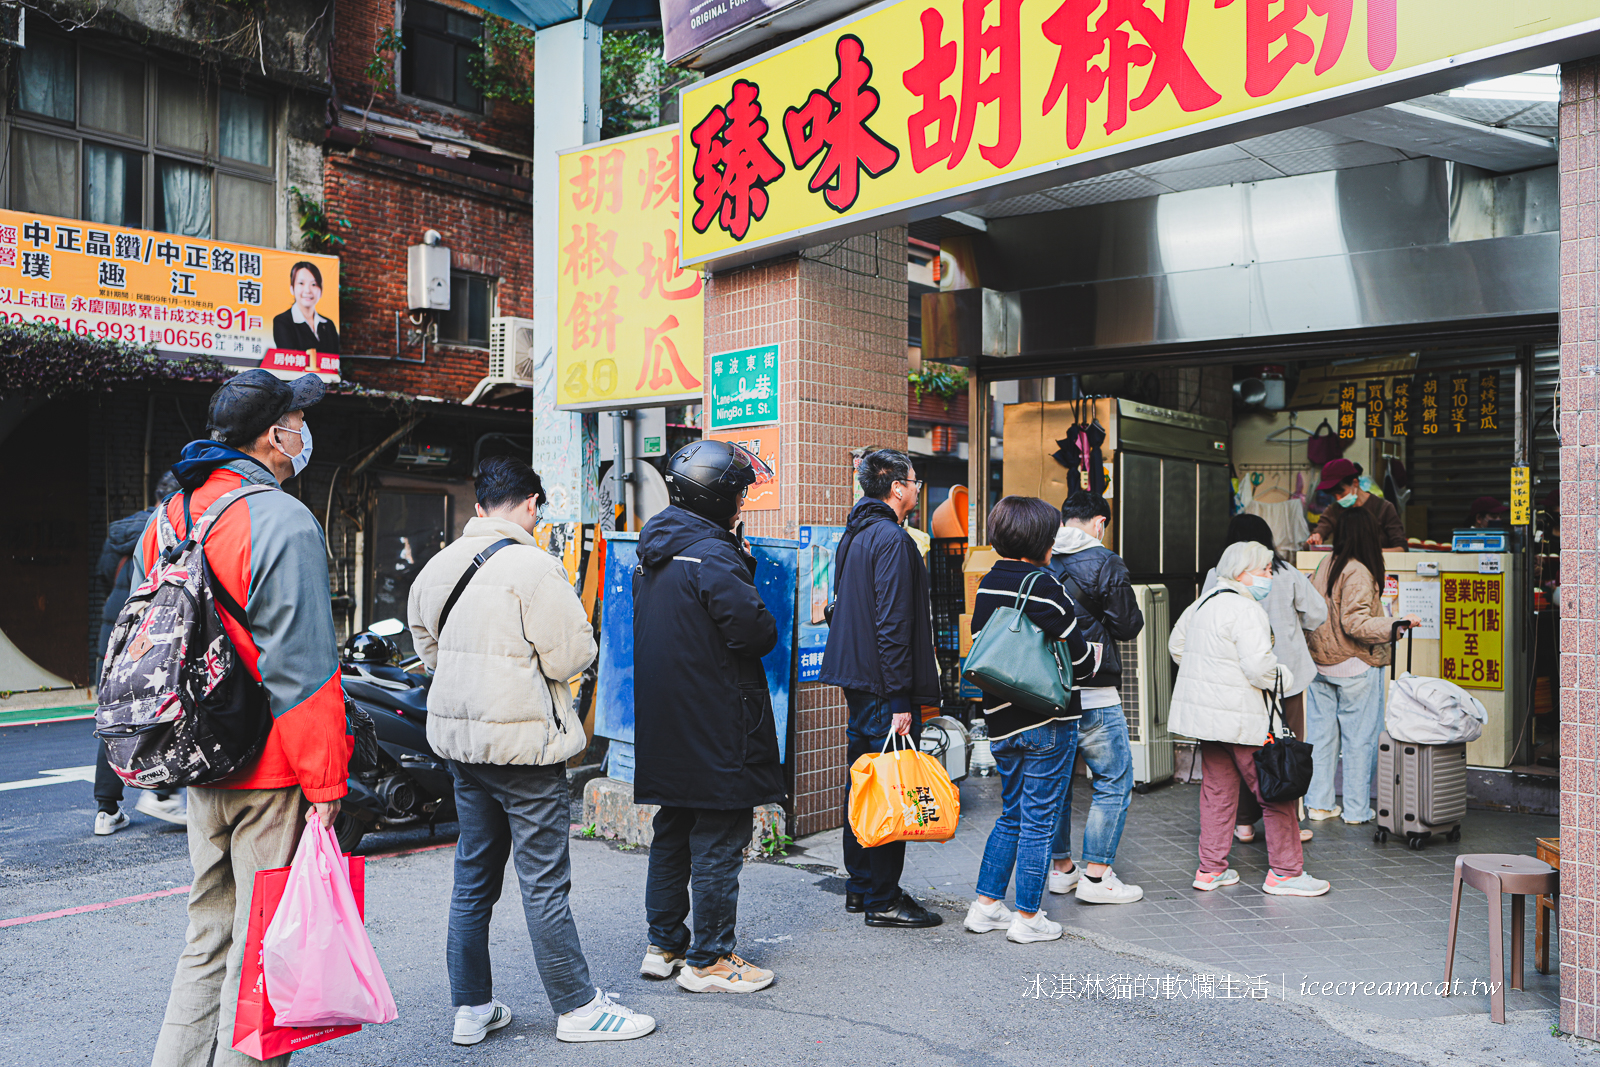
181	294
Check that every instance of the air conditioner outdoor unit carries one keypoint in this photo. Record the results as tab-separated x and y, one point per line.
1147	687
511	349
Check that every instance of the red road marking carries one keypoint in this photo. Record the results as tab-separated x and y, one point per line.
173	892
92	907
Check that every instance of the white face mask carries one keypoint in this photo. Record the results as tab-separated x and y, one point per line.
299	460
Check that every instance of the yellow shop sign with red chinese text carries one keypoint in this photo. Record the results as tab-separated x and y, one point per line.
917	107
632	324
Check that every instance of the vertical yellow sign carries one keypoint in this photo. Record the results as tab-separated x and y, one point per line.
632	323
1472	630
1521	496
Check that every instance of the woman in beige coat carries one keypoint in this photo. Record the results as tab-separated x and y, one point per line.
1344	706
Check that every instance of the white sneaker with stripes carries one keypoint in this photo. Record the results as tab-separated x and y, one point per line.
472	1027
603	1019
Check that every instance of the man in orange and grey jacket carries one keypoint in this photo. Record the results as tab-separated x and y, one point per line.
267	553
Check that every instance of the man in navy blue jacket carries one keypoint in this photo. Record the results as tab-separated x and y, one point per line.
880	652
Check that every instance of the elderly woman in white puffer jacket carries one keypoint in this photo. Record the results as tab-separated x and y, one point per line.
1223	647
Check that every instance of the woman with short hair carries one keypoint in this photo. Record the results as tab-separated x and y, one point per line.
1033	751
1223	647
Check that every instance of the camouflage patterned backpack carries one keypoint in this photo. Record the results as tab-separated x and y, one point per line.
178	706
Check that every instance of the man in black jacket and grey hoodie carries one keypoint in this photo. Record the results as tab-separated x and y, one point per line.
704	734
880	651
1097	580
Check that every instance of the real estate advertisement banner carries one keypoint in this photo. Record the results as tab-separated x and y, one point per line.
631	327
907	107
246	306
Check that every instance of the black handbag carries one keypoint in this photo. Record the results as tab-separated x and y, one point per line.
1283	764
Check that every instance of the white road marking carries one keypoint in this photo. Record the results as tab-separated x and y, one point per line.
55	777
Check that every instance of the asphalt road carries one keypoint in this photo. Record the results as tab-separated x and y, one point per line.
91	987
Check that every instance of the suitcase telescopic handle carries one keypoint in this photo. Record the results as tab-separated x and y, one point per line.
1394	645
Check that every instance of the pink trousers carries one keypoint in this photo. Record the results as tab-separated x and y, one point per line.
1224	768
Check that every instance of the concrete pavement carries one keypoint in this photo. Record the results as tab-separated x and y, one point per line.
90	988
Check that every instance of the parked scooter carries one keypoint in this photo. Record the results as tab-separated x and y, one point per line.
410	784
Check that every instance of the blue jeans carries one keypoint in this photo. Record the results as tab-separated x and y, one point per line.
1034	766
1344	713
1103	744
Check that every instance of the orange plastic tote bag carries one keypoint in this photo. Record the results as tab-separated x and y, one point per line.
901	794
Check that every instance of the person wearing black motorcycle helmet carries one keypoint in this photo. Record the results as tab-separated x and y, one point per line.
706	743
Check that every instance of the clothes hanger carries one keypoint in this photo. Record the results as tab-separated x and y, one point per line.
1294	427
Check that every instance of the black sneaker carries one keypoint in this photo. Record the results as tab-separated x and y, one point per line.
855	903
906	913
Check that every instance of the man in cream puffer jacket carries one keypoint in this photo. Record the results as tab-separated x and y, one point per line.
500	712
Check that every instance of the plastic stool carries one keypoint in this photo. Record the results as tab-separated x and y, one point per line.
1497	875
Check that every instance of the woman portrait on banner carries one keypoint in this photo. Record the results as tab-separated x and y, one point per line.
301	329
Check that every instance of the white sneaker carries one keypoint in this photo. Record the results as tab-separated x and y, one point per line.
107	823
472	1027
730	974
1063	883
172	809
982	918
1301	885
1324	814
604	1020
660	962
1025	931
1208	882
1109	890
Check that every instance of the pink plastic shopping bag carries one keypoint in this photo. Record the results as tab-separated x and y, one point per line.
319	965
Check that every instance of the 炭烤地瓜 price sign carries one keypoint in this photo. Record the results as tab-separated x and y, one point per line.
632	320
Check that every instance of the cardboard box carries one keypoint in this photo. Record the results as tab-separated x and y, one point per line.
966	635
1031	432
979	559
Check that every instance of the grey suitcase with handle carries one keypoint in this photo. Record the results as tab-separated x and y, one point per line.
1422	789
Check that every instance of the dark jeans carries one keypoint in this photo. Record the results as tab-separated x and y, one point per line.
108	787
523	813
702	847
873	871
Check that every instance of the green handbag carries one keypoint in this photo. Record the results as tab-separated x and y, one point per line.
1012	660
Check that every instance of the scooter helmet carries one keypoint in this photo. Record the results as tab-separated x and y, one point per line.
709	478
370	649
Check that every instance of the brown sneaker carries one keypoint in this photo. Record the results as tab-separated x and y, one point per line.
729	974
660	962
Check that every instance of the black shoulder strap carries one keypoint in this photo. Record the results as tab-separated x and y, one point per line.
212	515
455	594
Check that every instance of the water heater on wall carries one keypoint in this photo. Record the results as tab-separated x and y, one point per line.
428	277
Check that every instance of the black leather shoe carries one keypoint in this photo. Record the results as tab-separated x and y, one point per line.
855	902
906	913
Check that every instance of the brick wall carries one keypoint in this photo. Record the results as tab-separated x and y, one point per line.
839	322
1580	529
391	199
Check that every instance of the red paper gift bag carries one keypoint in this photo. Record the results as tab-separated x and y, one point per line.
255	1031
